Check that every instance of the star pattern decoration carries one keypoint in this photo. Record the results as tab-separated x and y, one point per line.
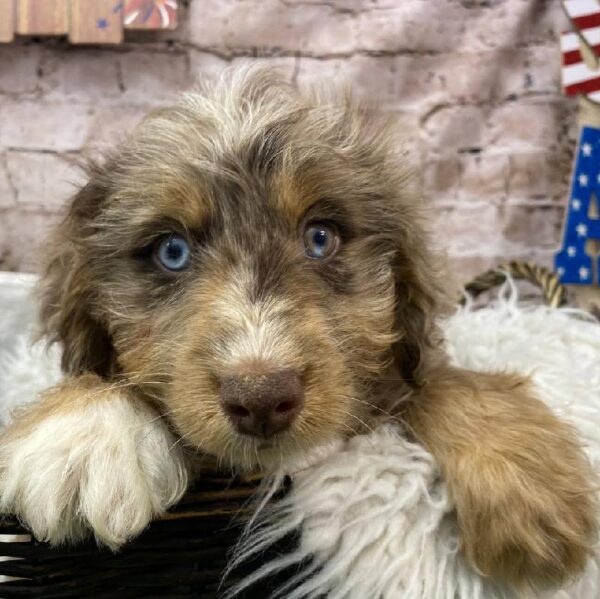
102	24
572	263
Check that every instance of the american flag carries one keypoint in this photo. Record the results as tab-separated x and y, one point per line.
577	77
585	15
572	263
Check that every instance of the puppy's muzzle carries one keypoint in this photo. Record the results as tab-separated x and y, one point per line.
262	404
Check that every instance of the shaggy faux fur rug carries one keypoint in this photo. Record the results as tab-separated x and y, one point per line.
375	516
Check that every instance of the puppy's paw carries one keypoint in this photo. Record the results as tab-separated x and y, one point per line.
529	518
109	464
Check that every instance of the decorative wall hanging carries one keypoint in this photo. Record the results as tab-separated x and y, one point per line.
85	21
577	76
575	262
7	20
572	263
585	16
150	14
42	18
98	22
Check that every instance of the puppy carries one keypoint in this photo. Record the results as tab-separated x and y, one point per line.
248	276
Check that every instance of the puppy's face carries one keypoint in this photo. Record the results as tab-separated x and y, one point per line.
249	260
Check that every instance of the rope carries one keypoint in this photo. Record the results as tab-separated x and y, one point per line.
555	294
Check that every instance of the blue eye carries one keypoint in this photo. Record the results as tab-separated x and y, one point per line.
320	240
173	252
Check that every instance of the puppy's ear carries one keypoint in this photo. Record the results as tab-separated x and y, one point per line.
418	303
66	290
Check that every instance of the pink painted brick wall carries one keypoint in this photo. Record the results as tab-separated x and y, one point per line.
475	82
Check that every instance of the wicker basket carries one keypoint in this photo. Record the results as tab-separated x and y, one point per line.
181	555
184	553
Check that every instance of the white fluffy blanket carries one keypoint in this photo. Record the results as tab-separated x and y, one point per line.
373	511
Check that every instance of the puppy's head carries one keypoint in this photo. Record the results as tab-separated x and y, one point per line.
251	258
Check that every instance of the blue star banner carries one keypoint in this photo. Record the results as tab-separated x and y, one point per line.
572	264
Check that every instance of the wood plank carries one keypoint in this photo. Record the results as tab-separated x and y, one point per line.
97	22
150	14
42	17
7	20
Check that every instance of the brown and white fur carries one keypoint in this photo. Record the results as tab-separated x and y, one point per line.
240	169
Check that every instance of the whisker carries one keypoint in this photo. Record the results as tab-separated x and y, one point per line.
356	418
366	403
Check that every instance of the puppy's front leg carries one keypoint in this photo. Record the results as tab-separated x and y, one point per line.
89	455
522	487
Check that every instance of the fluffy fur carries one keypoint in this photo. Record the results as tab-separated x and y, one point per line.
373	509
109	465
376	518
240	170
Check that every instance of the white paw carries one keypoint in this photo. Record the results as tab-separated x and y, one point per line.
110	466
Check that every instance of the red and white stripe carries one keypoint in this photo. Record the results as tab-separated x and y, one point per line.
577	77
585	15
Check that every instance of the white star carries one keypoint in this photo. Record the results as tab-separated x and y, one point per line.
584	273
581	230
560	271
583	180
577	203
586	149
571	251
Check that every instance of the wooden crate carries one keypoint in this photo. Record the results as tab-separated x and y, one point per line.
85	21
97	22
42	17
7	21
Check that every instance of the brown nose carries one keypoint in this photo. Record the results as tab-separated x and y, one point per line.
262	404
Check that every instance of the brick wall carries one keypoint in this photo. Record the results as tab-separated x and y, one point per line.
475	82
